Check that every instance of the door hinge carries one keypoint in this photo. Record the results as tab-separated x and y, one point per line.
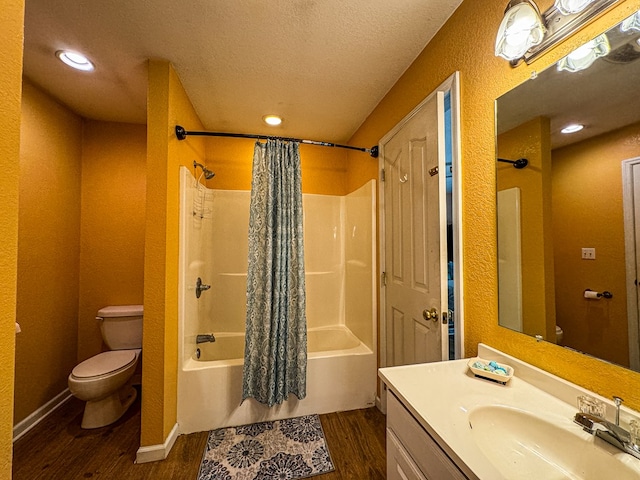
383	279
433	171
382	176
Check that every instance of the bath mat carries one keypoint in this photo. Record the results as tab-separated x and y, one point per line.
292	449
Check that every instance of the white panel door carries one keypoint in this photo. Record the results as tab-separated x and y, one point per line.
415	237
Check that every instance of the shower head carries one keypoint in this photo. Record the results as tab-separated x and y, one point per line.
208	174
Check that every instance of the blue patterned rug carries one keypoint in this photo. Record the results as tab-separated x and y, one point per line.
288	449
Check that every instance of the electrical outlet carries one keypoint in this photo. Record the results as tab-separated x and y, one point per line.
588	253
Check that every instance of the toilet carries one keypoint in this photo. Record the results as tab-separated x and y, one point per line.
559	335
104	380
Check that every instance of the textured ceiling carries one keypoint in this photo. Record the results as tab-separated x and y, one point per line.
323	65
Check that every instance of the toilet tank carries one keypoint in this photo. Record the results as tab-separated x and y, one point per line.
121	326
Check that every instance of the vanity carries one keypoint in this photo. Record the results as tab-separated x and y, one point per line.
445	423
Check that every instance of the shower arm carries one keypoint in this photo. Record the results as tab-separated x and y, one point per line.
208	174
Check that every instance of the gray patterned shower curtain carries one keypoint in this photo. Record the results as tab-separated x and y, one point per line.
275	356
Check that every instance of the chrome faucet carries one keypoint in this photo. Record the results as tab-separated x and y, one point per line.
205	337
607	431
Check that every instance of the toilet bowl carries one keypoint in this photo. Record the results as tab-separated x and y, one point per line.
104	380
559	335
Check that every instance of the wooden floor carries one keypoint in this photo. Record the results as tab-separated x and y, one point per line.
59	449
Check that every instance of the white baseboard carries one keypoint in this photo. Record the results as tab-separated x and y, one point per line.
22	427
153	453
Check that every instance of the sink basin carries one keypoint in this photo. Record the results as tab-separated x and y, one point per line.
523	446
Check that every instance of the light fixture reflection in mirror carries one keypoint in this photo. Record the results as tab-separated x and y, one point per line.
582	193
631	23
584	56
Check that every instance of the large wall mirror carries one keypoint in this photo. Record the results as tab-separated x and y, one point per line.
569	222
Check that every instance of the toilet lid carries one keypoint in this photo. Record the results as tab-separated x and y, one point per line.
105	362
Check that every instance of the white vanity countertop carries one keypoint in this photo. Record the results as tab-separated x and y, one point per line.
440	395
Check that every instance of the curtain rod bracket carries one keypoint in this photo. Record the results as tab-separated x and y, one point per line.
519	164
181	134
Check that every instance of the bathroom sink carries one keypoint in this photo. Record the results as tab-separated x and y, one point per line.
524	446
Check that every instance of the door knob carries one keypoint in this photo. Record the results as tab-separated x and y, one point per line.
430	314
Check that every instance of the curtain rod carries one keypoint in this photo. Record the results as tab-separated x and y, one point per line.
181	133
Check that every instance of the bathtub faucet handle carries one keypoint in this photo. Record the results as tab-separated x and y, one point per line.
205	337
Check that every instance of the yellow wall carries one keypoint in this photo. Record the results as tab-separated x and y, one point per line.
113	222
466	44
531	140
323	169
592	216
168	105
11	39
48	250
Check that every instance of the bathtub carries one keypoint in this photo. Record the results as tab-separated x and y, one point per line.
210	387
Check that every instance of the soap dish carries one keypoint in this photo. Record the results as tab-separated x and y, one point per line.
481	372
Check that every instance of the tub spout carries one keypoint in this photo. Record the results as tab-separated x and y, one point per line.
205	337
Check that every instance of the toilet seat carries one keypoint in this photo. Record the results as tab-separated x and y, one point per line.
105	363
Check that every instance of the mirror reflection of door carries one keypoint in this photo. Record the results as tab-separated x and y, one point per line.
631	200
509	259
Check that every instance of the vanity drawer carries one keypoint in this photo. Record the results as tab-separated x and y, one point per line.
432	461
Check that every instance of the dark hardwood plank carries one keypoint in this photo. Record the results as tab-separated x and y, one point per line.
356	441
58	449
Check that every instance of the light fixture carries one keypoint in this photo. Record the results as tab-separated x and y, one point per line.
631	23
272	120
573	128
518	38
75	60
569	7
584	56
520	29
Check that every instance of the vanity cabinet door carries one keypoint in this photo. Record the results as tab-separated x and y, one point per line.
417	445
399	464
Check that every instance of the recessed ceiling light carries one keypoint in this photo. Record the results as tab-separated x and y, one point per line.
75	60
573	128
273	120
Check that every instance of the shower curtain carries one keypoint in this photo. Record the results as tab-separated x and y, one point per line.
275	357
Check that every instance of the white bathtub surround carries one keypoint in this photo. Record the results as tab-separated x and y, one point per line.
444	398
341	294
